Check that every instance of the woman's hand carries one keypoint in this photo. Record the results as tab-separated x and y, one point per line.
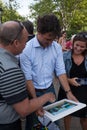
73	81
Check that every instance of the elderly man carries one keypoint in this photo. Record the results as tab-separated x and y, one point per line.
14	100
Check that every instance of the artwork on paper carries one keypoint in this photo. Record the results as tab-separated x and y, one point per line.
62	108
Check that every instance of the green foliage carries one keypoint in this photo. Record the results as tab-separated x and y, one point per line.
9	11
71	13
42	7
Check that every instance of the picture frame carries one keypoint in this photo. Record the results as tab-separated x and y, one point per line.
62	108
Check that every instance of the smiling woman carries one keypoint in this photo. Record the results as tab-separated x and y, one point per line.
76	69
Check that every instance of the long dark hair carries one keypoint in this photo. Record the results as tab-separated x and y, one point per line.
82	36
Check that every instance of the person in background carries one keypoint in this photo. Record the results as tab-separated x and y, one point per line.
76	67
42	57
14	101
30	28
62	40
69	43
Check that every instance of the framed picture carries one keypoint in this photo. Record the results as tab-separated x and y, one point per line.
62	108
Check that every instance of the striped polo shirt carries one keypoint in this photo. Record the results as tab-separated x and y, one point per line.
12	87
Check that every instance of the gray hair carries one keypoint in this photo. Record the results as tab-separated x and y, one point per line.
10	31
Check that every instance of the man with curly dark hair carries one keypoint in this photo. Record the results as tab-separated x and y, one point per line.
43	57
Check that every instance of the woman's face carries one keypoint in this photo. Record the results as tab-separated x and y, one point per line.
79	47
64	35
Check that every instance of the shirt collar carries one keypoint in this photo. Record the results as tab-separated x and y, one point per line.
36	42
4	51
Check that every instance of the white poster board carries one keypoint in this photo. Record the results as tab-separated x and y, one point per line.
62	108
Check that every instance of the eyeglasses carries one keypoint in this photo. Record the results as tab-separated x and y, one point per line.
82	35
21	27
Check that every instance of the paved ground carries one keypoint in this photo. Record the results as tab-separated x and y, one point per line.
75	125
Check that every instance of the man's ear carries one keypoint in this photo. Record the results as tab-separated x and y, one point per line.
16	43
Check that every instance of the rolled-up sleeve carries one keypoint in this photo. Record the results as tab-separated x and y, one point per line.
60	66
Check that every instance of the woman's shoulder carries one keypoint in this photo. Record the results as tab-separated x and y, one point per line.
67	54
60	40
